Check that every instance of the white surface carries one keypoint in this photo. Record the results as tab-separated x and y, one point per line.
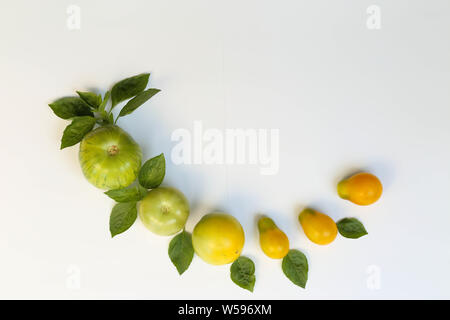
343	96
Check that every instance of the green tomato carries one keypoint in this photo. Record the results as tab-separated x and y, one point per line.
164	211
110	158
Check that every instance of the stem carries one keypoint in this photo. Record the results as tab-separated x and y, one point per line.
265	223
113	150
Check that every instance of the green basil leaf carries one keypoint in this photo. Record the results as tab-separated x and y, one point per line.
295	267
135	193
75	131
137	101
102	106
111	118
92	99
152	172
122	217
351	228
128	88
69	107
242	273
181	251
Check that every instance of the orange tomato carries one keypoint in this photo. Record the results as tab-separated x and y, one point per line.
318	227
362	189
274	242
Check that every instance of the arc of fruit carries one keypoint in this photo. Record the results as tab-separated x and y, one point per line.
110	159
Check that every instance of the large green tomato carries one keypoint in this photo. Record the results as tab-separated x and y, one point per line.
164	211
110	158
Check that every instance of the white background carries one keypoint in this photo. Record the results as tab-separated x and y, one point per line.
344	97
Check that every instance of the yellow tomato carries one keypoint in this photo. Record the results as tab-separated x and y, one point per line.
362	189
318	227
218	238
273	241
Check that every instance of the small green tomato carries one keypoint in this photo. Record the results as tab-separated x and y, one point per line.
164	211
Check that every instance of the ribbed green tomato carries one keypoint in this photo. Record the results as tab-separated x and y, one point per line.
110	158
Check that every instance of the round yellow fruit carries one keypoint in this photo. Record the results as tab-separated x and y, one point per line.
318	227
274	242
218	238
362	189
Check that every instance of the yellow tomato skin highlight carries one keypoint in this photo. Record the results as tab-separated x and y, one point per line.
362	189
318	227
273	241
218	238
